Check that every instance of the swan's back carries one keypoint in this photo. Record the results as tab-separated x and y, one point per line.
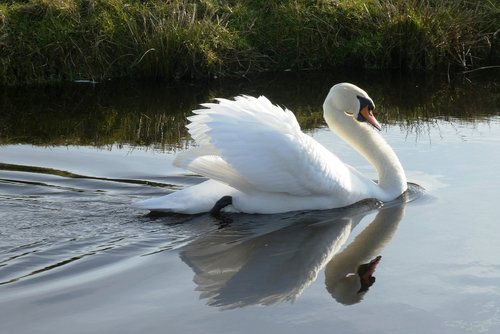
261	148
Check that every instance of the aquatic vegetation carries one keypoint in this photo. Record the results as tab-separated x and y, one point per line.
64	40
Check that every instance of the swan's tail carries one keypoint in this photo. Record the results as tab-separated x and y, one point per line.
195	199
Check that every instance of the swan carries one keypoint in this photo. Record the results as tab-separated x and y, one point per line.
258	160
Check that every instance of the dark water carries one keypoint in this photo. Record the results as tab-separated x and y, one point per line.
75	257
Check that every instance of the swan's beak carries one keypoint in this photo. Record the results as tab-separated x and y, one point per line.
367	114
365	273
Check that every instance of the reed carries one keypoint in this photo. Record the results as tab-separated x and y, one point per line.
65	40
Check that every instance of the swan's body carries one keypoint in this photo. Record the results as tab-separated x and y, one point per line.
255	153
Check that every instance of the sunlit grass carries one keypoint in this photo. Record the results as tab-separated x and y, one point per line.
64	40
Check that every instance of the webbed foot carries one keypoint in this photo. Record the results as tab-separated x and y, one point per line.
220	204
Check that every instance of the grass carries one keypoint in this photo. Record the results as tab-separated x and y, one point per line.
64	40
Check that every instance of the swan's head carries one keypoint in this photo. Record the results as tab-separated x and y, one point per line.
345	99
352	288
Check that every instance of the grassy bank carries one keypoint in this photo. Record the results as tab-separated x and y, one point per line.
62	40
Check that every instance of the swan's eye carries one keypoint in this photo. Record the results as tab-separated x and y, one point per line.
364	102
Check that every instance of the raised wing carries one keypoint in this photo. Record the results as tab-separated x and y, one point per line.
253	145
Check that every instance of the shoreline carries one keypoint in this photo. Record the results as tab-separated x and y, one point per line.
43	41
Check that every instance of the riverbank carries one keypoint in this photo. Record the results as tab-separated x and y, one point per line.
66	40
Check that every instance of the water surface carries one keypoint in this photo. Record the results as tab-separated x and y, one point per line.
76	257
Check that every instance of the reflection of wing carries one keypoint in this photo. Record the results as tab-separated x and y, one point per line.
232	270
251	144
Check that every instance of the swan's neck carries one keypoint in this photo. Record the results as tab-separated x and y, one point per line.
366	140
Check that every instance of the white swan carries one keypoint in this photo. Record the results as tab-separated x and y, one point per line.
258	160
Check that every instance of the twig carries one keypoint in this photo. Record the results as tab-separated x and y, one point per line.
481	68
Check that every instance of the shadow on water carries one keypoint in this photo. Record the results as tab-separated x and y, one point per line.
263	260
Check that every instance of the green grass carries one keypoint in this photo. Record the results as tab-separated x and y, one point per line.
63	40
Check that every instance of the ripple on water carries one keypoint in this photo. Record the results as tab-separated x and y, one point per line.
56	224
64	225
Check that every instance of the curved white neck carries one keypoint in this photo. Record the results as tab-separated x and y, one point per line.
365	140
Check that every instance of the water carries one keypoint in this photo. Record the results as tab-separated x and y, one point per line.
75	257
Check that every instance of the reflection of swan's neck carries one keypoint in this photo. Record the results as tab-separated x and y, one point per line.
364	139
370	241
340	273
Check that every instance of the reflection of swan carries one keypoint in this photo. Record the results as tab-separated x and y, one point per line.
347	276
256	262
259	160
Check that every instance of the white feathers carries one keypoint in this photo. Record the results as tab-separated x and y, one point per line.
253	145
256	153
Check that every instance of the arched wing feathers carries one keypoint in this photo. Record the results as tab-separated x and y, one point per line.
253	145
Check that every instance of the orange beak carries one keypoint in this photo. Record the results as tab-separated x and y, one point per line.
368	115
